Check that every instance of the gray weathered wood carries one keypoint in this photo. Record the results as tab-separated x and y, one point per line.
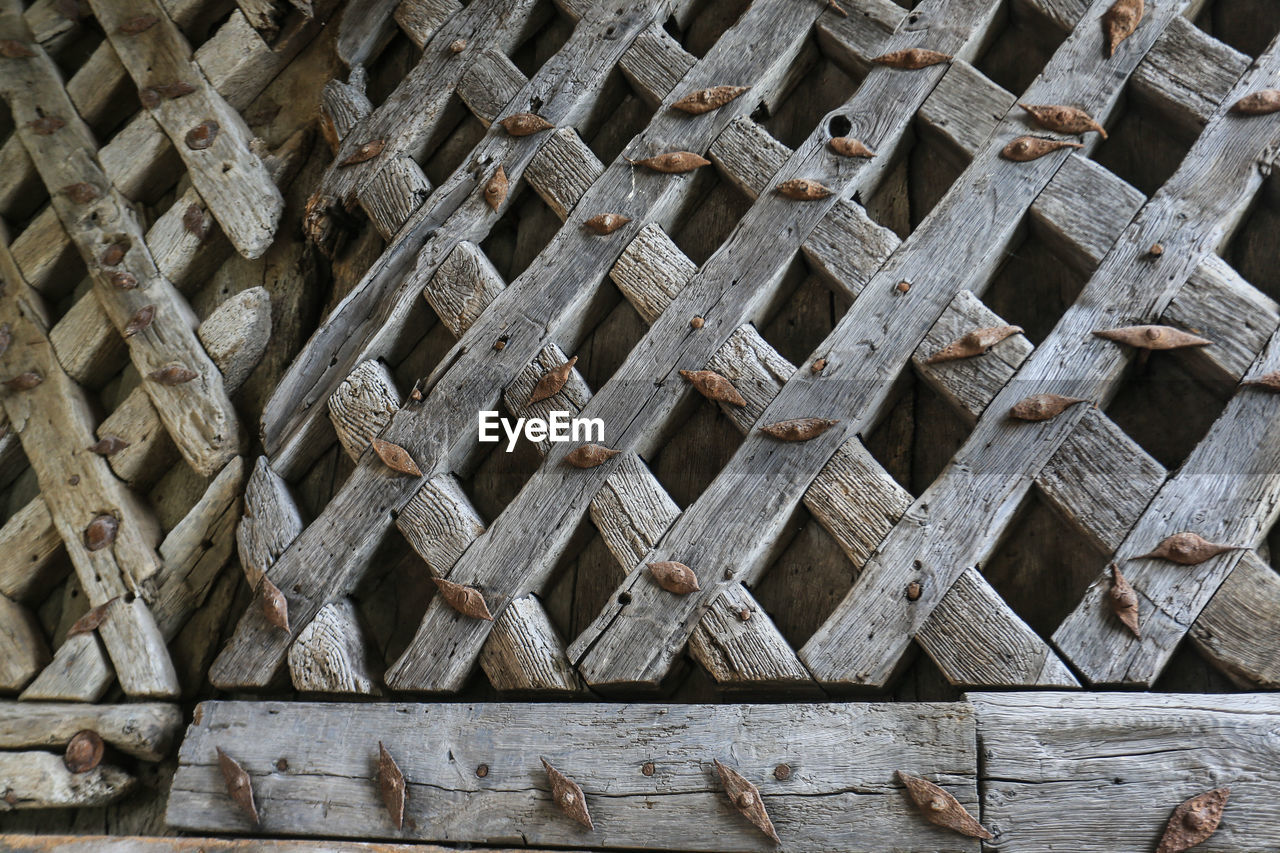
147	731
1236	630
23	650
882	320
559	103
1227	491
988	478
48	418
358	329
833	750
330	655
243	198
642	404
197	413
39	780
1103	772
271	521
421	18
489	83
362	406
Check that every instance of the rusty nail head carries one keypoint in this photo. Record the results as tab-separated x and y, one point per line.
744	614
819	365
282	764
457	46
697	322
1156	250
647	768
500	344
782	772
914	590
904	286
482	771
74	479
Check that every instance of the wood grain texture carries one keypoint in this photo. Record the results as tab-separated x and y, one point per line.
147	731
482	373
48	418
834	751
362	324
229	177
1100	772
363	405
878	322
197	413
330	655
1226	491
669	346
39	780
989	483
1237	629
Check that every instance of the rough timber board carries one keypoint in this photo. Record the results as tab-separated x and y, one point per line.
758	489
841	794
1190	216
1096	773
758	252
473	375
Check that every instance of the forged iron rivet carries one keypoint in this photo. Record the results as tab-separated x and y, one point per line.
482	771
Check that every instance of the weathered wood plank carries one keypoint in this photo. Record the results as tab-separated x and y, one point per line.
560	104
988	479
28	541
144	730
23	650
832	750
1227	491
243	198
330	655
363	405
883	321
1236	631
39	780
759	249
1103	772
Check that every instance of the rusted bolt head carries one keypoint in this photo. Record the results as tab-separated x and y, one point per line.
782	772
457	46
697	322
114	254
202	135
482	771
647	768
904	286
282	764
122	280
1156	250
914	590
84	751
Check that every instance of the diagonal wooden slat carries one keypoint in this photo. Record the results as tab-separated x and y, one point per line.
756	249
365	518
228	176
985	485
863	354
197	411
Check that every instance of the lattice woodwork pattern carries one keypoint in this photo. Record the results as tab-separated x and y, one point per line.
918	559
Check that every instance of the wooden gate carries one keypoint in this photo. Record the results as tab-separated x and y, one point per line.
1025	298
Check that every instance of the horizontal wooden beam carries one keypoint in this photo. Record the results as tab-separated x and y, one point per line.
646	771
